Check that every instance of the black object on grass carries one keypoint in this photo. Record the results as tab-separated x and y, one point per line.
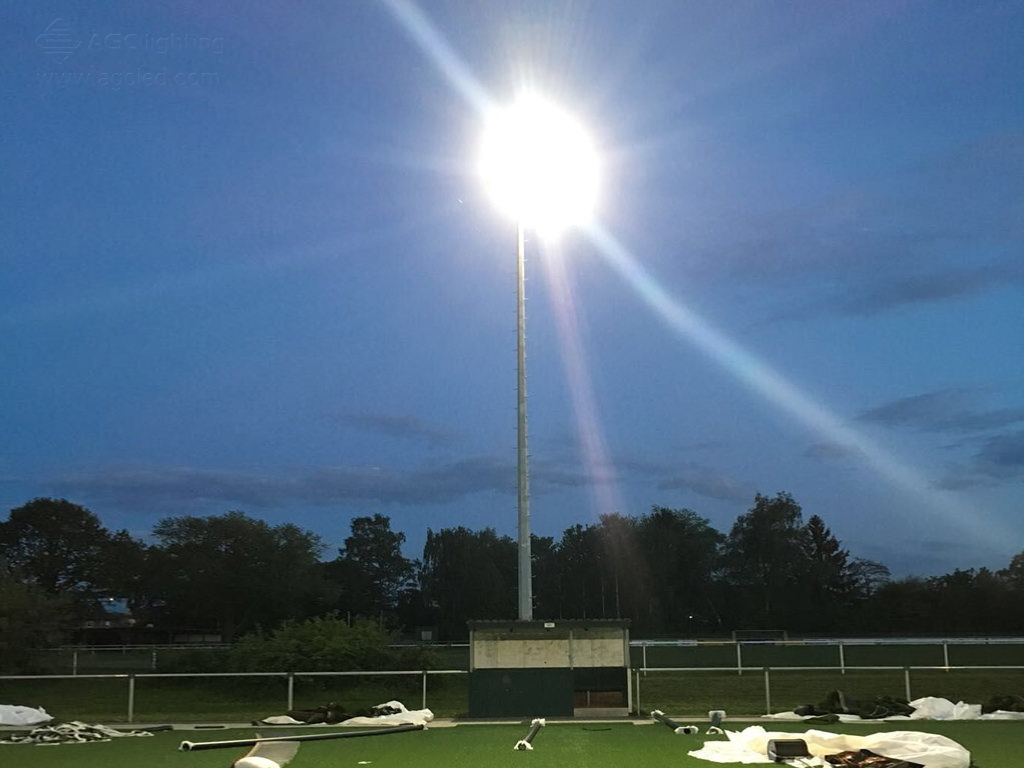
715	717
780	750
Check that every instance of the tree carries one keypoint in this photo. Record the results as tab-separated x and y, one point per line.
30	619
680	551
868	576
233	573
826	587
325	644
579	573
901	605
55	545
370	569
1013	574
970	601
1013	577
468	575
764	558
545	571
623	582
127	572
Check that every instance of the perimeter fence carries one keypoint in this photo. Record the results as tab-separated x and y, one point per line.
230	696
683	677
766	677
841	653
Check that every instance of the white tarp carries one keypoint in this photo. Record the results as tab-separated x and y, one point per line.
926	708
14	715
932	708
751	746
402	717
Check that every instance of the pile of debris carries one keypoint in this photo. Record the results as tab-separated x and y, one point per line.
73	732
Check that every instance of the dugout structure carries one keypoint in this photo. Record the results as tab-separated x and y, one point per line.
565	668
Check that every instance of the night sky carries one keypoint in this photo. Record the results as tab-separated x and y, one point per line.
248	263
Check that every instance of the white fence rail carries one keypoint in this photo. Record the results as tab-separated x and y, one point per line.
767	672
132	680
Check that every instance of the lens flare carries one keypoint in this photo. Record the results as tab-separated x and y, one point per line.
539	165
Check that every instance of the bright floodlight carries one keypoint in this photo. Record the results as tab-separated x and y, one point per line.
539	165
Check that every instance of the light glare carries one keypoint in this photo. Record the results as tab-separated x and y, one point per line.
539	165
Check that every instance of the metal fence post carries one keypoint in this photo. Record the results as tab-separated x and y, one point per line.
906	683
842	659
291	691
74	662
131	697
424	690
945	653
638	692
767	692
739	658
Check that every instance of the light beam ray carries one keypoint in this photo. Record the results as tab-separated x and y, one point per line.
769	384
597	462
432	42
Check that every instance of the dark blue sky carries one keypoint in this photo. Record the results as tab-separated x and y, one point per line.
248	264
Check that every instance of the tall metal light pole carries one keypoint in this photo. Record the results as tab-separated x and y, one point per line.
540	167
522	452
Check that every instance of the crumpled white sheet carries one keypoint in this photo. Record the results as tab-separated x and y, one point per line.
11	714
402	717
933	708
843	718
751	746
925	708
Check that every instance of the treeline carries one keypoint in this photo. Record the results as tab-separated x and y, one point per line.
668	571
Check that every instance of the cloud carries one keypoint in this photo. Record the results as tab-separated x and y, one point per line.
923	557
901	290
832	452
947	410
709	483
175	490
998	459
944	228
399	426
178	488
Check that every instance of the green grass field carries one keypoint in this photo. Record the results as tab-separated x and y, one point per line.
560	745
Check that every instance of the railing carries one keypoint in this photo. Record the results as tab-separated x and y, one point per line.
742	690
671	653
679	690
767	674
767	652
133	679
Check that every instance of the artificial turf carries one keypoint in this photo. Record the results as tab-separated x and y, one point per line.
993	744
